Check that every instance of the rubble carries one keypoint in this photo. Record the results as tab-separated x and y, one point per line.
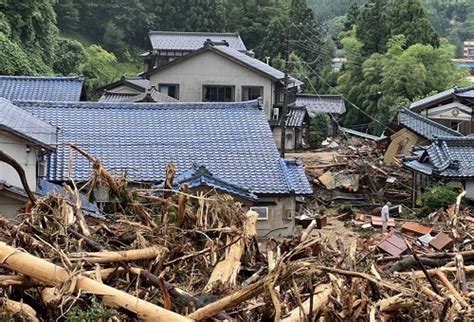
176	256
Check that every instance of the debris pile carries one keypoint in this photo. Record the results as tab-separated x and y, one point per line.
354	173
175	256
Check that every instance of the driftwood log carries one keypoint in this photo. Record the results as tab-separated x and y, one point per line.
120	256
51	274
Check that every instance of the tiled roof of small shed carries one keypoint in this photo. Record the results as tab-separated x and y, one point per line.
333	104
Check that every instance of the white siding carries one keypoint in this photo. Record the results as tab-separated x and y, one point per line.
470	189
18	150
209	68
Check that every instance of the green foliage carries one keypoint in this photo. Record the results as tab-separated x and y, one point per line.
13	60
439	196
114	40
452	19
69	55
95	312
97	68
318	129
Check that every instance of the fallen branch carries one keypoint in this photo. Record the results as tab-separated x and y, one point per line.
319	299
120	256
440	275
23	309
228	301
21	173
419	274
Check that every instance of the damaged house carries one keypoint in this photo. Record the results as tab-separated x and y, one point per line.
452	108
226	147
447	159
412	129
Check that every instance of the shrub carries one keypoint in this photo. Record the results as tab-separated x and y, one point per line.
439	196
318	129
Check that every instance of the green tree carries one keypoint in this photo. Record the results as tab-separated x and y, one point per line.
69	56
13	60
351	16
114	40
97	68
372	27
408	18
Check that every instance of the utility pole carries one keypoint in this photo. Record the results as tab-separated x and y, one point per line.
285	98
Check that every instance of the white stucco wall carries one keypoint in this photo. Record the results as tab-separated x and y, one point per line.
209	68
18	150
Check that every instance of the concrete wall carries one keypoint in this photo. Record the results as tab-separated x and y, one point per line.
9	207
470	189
209	68
17	149
290	138
277	225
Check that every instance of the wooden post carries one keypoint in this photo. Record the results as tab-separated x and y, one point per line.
51	274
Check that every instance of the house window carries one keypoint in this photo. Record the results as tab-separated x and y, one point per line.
251	92
454	125
261	211
169	89
218	93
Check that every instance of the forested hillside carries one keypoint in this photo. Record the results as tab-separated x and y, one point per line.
397	50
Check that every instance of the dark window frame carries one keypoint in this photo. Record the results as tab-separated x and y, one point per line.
160	85
260	88
216	93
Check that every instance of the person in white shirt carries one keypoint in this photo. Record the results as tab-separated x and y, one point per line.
385	216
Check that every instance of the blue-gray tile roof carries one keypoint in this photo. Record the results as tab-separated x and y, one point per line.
449	157
190	41
424	126
41	88
295	118
15	120
233	141
433	100
199	176
333	104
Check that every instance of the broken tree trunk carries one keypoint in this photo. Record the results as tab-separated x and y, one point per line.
121	256
23	309
319	300
226	271
461	273
228	301
395	303
442	277
307	232
51	274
